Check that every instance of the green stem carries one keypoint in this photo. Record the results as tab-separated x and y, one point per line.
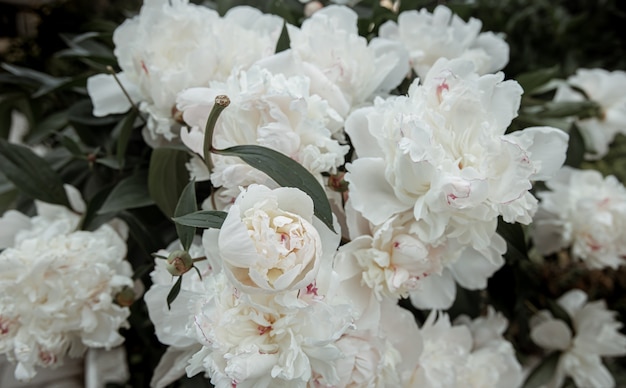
221	102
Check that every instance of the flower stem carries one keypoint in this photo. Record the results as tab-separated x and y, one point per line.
221	102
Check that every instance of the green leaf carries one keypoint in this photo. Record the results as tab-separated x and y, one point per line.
174	292
203	219
515	240
287	173
167	178
147	239
283	41
71	146
129	193
38	77
531	81
125	128
543	372
568	108
186	204
110	162
31	174
51	124
575	148
91	220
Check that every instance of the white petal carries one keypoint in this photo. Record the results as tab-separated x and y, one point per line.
370	192
437	292
547	150
107	96
552	334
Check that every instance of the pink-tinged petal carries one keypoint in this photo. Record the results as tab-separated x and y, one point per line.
370	192
436	292
107	96
357	127
547	149
552	334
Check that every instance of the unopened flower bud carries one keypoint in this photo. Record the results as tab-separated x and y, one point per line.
125	297
179	262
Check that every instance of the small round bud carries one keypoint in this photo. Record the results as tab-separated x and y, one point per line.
126	297
179	262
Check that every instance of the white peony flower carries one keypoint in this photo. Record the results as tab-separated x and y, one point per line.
343	67
473	355
596	334
428	37
586	212
174	45
606	89
268	110
57	287
270	241
252	341
442	155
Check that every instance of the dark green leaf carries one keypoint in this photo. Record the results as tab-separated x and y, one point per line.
283	41
515	239
71	146
203	219
568	108
186	204
125	128
51	124
174	292
575	148
129	193
147	239
31	174
287	173
110	162
34	75
91	220
167	178
543	372
531	81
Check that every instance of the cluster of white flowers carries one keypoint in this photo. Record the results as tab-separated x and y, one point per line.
586	212
441	154
174	45
594	334
57	287
606	89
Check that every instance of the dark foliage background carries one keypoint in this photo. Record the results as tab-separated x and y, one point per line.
47	37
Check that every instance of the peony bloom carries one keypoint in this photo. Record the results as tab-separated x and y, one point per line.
343	67
473	354
595	334
270	242
586	212
57	287
174	45
265	109
253	341
428	37
442	155
606	89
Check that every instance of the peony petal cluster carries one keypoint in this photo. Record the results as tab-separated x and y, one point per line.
606	89
471	354
253	319
57	287
595	334
442	154
174	45
344	68
585	211
441	34
270	110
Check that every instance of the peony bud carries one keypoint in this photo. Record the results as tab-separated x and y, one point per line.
179	262
126	297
